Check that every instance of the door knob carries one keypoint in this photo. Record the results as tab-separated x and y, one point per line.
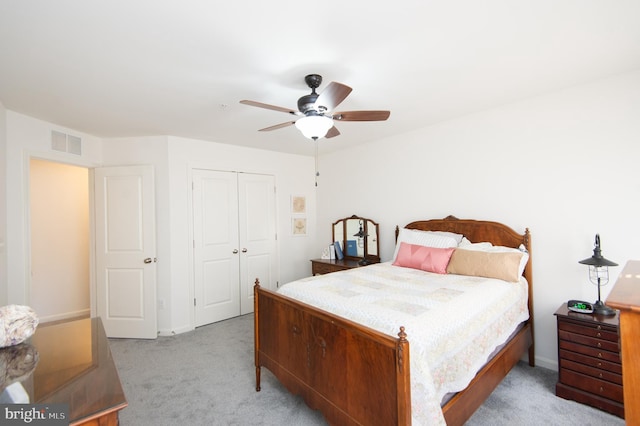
235	251
148	260
244	250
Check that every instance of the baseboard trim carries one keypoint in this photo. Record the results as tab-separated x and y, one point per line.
168	332
83	313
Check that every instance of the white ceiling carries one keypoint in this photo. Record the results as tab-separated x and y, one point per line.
156	67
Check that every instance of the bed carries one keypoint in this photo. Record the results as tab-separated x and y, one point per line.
358	372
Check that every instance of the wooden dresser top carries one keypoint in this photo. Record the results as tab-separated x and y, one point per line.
625	294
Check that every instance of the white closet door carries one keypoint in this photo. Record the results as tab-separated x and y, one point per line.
234	241
257	235
216	254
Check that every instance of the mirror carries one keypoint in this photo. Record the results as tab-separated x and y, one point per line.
358	237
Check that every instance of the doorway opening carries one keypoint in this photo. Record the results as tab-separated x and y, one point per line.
60	240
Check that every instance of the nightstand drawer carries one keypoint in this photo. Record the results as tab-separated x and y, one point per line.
591	371
583	397
597	363
586	350
323	268
589	384
597	331
589	341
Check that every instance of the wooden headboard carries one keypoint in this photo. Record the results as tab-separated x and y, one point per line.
476	231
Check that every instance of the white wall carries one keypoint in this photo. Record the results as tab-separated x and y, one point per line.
27	138
3	205
564	165
173	159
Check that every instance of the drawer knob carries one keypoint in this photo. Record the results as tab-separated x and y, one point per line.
599	364
599	344
599	334
599	354
599	327
600	375
601	389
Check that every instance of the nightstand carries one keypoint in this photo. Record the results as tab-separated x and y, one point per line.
325	266
589	365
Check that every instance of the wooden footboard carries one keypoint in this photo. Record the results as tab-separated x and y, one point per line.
352	374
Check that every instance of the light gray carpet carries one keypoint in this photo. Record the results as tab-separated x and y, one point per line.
207	377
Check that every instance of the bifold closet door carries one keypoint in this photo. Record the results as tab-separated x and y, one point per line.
234	241
257	227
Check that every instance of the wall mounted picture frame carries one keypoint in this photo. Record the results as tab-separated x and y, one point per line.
299	226
298	204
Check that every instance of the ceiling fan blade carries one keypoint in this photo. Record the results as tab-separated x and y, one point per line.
333	132
332	96
361	115
272	107
277	126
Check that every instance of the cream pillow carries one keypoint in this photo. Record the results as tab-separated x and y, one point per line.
501	265
488	247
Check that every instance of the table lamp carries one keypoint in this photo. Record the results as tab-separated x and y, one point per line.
362	237
599	275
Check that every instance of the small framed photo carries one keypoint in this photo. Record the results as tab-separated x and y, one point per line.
299	226
298	204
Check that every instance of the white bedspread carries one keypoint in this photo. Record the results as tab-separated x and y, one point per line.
453	322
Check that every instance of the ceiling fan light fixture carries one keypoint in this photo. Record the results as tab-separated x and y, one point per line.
314	126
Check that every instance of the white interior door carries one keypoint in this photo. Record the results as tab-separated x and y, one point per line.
234	241
216	253
126	251
257	235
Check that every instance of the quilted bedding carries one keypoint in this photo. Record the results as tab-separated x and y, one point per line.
453	322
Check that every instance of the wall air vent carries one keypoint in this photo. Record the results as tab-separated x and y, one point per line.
66	143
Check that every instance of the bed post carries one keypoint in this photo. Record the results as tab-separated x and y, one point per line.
529	276
403	379
256	337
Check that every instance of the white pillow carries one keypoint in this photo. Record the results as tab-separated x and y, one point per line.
488	247
436	239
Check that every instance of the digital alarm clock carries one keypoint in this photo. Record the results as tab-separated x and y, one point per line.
580	306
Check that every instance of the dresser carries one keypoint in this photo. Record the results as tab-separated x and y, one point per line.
589	363
74	367
625	296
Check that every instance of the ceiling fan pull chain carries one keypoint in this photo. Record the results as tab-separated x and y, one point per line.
317	172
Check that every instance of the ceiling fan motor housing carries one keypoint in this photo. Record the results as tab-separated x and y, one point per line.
307	102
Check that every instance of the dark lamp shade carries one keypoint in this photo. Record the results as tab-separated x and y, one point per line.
597	260
361	233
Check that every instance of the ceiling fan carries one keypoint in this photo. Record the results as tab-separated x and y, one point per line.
315	111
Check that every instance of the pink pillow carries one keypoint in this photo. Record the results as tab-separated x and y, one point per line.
430	259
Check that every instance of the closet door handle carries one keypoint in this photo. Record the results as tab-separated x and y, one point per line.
244	250
148	260
235	251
